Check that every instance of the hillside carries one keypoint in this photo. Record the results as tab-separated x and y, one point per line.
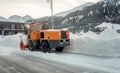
2	18
63	14
91	16
16	18
85	18
59	17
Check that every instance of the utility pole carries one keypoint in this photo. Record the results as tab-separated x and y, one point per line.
51	7
52	14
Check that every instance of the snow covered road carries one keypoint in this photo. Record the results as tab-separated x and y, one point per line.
13	60
19	63
88	53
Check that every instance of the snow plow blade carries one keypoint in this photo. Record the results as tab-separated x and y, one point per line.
22	45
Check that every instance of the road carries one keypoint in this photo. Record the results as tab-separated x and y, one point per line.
19	63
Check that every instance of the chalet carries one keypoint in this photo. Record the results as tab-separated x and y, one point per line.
8	27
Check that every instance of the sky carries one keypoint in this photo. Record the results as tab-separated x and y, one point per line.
37	8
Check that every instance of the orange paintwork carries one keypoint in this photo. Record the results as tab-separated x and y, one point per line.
52	34
48	34
35	34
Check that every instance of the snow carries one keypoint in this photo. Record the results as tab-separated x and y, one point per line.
119	11
10	41
110	65
104	5
5	50
109	25
80	17
100	52
63	14
16	18
2	19
118	2
91	12
105	44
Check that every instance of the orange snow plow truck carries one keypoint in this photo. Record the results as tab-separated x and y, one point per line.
41	38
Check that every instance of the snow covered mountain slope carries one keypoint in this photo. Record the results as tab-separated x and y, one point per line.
74	9
16	18
19	18
92	16
2	18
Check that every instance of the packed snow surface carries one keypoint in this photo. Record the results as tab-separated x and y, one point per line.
100	52
104	44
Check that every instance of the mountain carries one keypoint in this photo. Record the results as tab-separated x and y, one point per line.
16	18
58	18
48	19
74	9
2	18
27	17
91	16
86	18
19	18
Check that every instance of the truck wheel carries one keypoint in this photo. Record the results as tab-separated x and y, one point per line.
59	49
31	47
45	47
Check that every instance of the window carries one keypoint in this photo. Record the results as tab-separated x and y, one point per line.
39	27
22	27
45	26
42	35
12	26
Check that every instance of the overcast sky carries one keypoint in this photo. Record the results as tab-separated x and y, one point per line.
36	8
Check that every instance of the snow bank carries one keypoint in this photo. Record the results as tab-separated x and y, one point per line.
8	50
12	40
105	44
10	44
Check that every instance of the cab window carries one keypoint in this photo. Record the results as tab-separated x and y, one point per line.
45	26
39	27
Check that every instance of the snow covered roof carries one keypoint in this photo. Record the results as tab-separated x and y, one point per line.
109	25
13	22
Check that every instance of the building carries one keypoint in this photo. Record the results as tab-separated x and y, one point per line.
9	28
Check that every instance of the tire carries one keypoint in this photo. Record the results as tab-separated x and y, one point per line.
31	46
59	49
45	47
